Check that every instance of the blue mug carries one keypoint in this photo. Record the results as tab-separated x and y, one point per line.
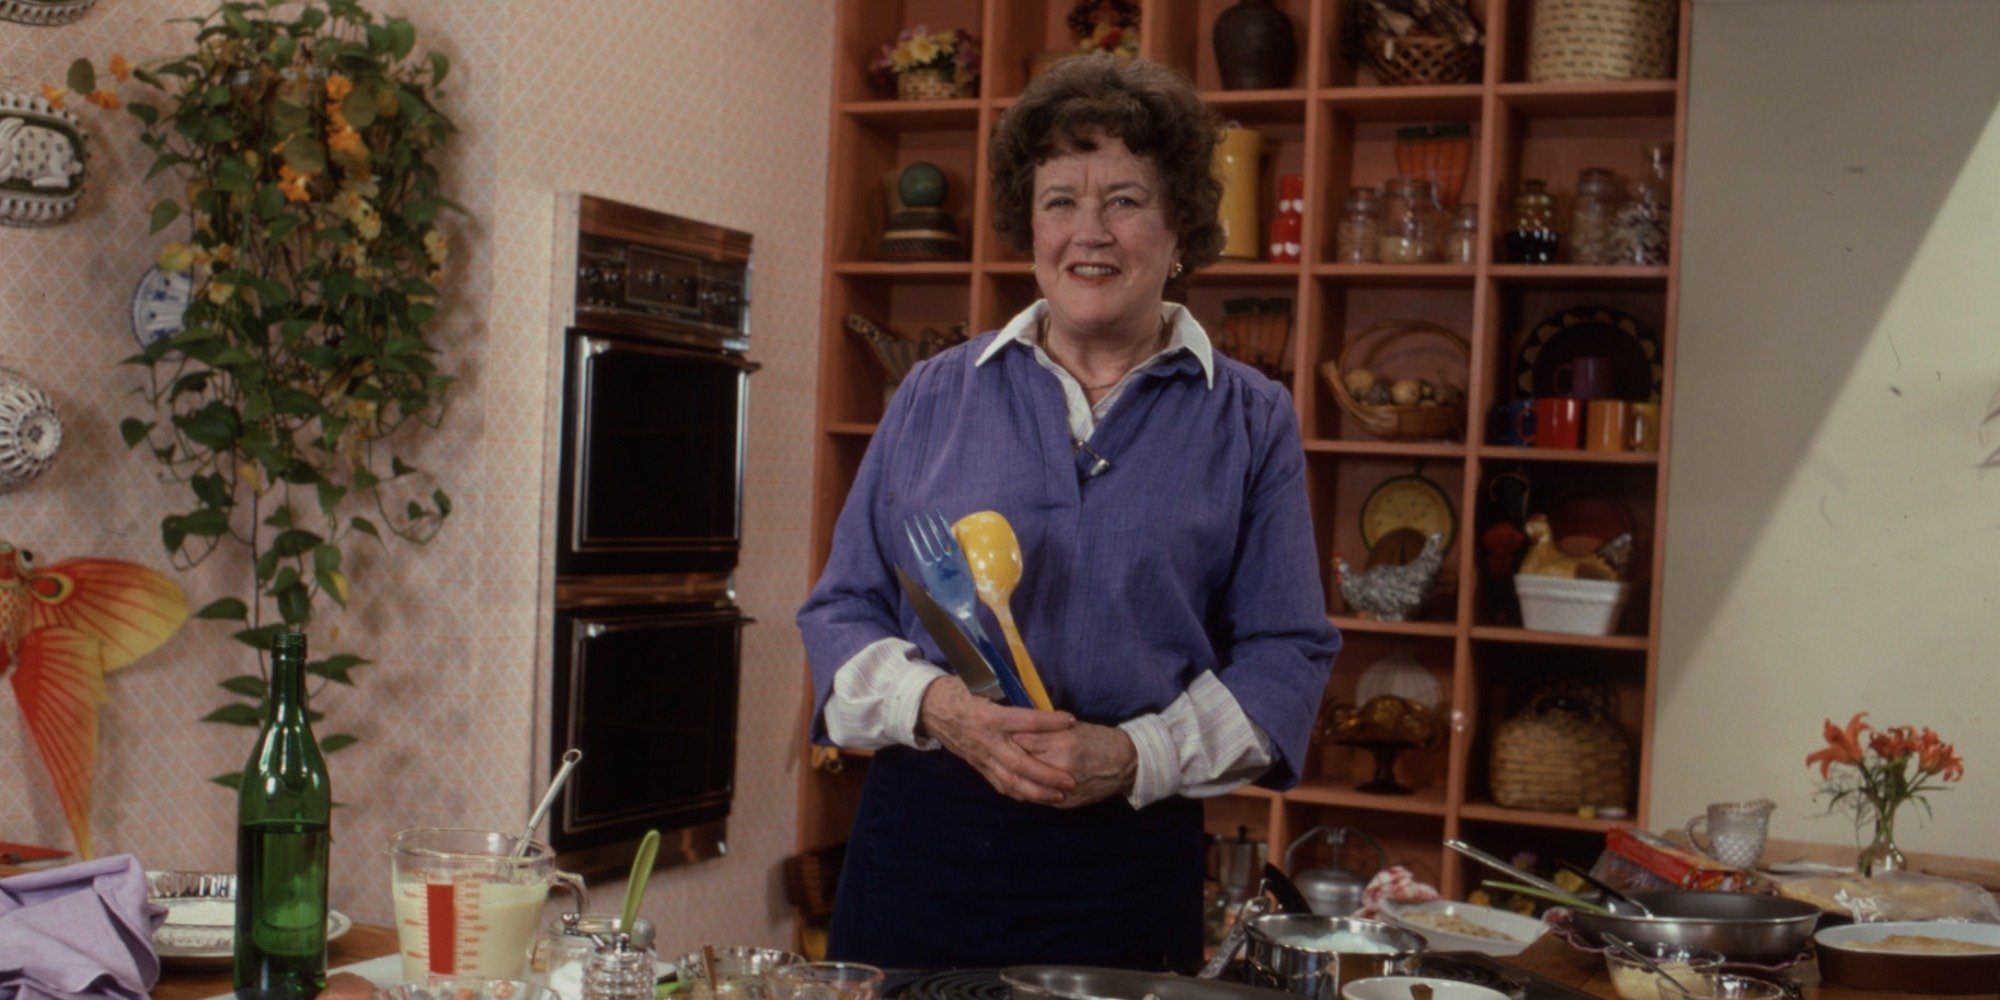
1512	424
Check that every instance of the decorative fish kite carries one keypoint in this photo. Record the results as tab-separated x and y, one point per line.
61	630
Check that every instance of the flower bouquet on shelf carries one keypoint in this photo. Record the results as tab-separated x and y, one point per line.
926	65
1106	26
1896	766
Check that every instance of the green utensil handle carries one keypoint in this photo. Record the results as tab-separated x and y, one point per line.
642	870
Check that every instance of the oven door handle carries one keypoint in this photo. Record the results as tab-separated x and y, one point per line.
599	628
592	346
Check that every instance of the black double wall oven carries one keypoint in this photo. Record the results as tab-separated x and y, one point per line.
647	635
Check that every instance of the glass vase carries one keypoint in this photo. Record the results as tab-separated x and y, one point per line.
1882	856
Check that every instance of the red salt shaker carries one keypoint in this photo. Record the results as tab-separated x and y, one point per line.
1288	226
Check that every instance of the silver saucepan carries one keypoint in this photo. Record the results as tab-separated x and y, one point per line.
1284	953
1073	982
1767	930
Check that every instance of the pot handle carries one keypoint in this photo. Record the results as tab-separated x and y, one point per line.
1232	942
1301	842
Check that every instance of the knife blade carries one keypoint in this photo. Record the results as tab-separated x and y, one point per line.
966	662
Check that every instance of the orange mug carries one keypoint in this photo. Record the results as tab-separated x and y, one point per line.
1608	426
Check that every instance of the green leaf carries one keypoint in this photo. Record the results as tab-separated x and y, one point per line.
144	112
282	48
330	496
173	533
207	522
338	742
280	518
336	667
398	469
232	781
270	202
216	130
281	227
236	21
247	685
296	402
211	490
224	608
366	527
213	426
359	107
443	503
163	162
305	154
402	37
82	77
289	117
235	715
294	604
440	68
293	543
232	175
165	211
133	430
266	565
311	17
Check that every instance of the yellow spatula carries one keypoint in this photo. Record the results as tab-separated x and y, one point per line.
995	557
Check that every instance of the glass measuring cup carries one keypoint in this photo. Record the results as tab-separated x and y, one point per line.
465	906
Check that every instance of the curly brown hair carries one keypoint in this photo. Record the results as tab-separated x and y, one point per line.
1153	109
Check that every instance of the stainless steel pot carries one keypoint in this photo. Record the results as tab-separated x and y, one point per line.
1767	930
1073	982
1276	957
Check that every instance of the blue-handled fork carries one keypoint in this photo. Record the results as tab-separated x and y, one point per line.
949	579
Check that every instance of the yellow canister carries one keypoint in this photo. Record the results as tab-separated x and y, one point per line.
1236	167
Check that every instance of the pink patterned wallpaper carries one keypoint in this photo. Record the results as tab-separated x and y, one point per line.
714	109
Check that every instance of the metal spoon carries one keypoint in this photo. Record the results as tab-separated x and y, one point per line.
1623	947
1501	866
995	557
569	759
1610	895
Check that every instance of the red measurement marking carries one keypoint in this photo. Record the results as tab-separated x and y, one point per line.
441	906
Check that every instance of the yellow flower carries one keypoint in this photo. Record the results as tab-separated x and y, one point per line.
220	292
222	253
176	257
922	50
369	226
346	142
54	95
120	68
435	277
338	87
435	246
293	183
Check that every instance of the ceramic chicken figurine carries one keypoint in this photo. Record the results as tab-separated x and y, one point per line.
1545	558
61	630
1392	593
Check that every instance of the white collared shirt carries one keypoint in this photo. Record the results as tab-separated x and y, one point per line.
1201	745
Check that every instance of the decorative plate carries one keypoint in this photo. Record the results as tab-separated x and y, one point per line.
44	12
41	159
158	304
1407	502
1632	346
200	930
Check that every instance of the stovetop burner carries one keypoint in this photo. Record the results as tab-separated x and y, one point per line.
953	984
1484	970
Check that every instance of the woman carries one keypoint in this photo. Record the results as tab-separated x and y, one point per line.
1171	598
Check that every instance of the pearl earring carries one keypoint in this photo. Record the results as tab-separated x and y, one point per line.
1176	272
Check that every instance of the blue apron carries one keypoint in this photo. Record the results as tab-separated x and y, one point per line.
942	871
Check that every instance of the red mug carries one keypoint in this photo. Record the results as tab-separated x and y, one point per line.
1558	422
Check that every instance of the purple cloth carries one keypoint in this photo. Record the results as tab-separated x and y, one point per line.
1193	550
84	930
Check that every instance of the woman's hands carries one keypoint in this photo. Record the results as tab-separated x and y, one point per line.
987	736
1099	759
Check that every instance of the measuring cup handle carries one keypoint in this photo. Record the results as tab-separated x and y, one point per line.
1695	839
573	884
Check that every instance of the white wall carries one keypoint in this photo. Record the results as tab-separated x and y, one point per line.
1833	545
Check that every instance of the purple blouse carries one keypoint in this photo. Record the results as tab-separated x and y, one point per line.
1191	550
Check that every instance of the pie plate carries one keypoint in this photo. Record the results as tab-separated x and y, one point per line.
200	929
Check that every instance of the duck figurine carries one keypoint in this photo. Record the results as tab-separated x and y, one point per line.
1545	558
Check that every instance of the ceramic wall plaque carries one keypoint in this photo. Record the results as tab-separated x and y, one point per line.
46	12
30	431
41	159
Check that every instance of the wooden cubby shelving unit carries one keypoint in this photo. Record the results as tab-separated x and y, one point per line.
1337	127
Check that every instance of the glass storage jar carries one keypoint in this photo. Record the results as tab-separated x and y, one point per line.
1598	197
1412	223
1360	228
1639	231
1461	242
1531	236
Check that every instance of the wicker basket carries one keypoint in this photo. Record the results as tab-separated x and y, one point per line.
1579	40
1392	422
929	84
1415	60
1559	755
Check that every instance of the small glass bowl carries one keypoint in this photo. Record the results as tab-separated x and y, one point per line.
1691	967
466	988
742	970
1725	986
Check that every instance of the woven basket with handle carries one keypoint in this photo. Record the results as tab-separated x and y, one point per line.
1579	40
1390	421
1421	60
1560	754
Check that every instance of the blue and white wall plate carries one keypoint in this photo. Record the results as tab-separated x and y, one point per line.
158	302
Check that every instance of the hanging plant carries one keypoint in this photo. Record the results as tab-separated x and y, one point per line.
307	135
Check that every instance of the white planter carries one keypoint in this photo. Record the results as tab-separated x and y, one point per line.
1574	607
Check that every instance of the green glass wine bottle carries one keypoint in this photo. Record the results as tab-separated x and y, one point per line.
282	811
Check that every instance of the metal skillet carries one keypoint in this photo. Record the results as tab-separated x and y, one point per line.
1766	930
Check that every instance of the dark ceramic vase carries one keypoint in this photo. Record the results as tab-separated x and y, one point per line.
1254	47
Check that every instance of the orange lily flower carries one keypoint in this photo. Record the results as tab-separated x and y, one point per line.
120	68
338	87
1893	743
293	183
54	95
1843	746
104	99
